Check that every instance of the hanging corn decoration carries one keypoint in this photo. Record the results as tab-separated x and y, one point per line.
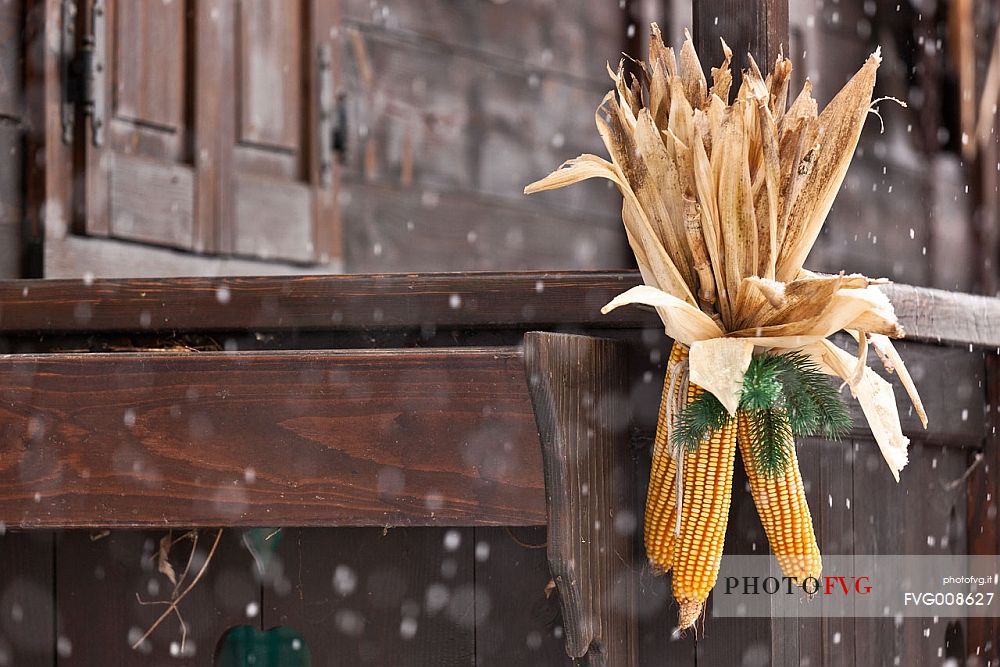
784	513
723	200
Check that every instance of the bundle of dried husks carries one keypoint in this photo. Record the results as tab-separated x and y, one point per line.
722	204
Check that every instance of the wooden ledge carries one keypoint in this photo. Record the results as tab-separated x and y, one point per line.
519	300
387	437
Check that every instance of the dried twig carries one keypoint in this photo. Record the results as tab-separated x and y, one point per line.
172	607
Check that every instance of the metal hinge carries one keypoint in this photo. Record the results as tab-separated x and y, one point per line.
332	119
83	71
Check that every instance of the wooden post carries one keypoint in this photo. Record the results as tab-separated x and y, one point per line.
758	27
578	388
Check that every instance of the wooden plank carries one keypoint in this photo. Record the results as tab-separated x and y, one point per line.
149	63
212	124
11	54
11	197
27	613
440	121
491	300
525	623
390	437
270	65
393	229
99	585
10	250
273	219
835	533
47	211
367	596
327	231
152	201
575	38
588	477
759	27
982	498
482	300
76	256
889	520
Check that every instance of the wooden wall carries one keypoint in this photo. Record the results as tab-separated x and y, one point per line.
11	153
449	110
454	108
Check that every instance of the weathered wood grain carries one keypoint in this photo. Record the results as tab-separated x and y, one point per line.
441	120
389	437
27	613
982	499
394	229
578	388
574	38
393	301
99	584
11	45
74	256
364	596
524	623
152	201
759	28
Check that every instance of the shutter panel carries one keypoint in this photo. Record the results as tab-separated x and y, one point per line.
210	132
140	181
282	207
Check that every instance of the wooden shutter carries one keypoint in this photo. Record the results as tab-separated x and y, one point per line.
140	171
208	129
282	133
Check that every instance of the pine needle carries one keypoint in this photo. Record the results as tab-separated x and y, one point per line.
770	440
783	396
698	420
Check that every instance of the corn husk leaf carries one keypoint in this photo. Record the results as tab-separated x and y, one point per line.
840	126
682	321
876	398
718	366
894	364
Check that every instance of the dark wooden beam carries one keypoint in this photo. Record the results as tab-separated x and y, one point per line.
394	437
517	301
983	502
442	436
757	27
579	386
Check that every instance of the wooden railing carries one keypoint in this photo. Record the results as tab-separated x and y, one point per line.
405	400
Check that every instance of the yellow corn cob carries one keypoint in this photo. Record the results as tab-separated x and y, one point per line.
784	512
661	497
695	554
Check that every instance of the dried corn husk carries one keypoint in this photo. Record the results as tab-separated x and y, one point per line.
723	202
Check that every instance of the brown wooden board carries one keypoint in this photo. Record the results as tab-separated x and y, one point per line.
574	39
982	498
392	301
524	623
758	27
578	389
364	596
27	613
408	230
101	578
388	437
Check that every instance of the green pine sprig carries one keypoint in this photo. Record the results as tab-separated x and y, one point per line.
698	419
783	396
770	440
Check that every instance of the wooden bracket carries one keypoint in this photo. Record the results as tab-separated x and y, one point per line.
578	387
